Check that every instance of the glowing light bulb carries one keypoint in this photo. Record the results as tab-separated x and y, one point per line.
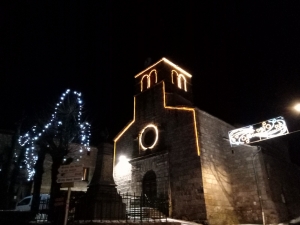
297	107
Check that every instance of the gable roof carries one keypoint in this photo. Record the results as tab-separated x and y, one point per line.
165	61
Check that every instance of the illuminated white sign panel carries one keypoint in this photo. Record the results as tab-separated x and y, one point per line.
258	132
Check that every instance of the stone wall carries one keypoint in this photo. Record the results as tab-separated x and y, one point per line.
215	162
283	190
159	165
185	170
230	189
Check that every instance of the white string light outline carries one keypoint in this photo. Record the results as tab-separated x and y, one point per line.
148	77
29	139
180	79
153	127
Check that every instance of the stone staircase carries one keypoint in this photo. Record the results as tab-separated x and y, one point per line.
135	210
144	213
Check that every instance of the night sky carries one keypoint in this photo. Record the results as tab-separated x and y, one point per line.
244	57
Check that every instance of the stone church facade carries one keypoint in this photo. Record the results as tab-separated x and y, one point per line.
174	150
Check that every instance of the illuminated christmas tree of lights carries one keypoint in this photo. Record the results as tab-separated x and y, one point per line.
29	140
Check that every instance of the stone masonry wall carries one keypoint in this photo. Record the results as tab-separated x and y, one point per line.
230	189
272	166
247	204
159	165
283	193
228	177
215	162
185	169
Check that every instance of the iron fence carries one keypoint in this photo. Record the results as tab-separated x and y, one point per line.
122	207
144	208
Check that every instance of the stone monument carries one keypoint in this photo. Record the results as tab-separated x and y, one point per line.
102	200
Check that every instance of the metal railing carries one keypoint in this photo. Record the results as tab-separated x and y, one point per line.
129	208
122	207
144	208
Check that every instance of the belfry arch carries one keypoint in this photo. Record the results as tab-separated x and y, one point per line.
179	80
148	80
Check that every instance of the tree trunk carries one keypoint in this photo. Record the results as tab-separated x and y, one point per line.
7	171
37	180
5	178
15	174
55	187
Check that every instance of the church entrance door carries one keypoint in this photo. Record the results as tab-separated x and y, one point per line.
149	188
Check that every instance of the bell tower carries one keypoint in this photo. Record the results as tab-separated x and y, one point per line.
178	87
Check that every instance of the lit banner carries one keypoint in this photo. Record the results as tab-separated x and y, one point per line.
258	132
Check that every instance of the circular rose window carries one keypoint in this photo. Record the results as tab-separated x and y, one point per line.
148	137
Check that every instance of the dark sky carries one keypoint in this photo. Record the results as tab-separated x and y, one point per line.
243	55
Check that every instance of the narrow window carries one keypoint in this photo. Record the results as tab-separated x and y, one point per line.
85	175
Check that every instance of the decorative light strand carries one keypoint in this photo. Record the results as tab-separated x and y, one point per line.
168	62
191	109
258	132
28	141
141	136
148	77
180	79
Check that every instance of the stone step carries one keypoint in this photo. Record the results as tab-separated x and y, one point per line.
145	212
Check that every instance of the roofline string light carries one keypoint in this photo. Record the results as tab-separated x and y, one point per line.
123	131
166	61
31	137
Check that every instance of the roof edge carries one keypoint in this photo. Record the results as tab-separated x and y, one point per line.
167	61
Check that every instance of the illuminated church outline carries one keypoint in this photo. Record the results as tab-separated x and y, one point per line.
181	82
173	149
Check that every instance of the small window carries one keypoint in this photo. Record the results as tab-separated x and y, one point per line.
85	175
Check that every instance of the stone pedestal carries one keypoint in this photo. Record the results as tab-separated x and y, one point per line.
102	200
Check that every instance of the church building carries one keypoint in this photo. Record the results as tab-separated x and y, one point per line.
174	150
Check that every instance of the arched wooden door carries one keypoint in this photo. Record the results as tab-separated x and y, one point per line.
149	187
